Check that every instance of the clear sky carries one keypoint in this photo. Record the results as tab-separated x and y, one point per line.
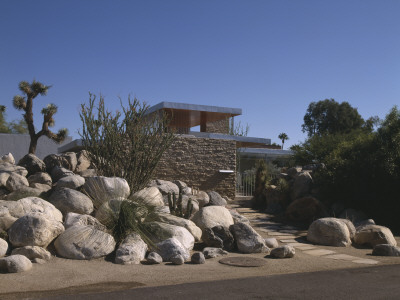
270	58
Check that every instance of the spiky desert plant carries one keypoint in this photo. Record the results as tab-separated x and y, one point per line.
176	206
128	144
25	103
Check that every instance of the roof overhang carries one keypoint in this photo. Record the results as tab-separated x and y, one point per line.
191	115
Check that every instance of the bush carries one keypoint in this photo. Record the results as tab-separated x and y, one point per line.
362	169
127	145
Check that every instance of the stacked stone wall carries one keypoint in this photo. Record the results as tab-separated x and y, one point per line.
221	126
197	161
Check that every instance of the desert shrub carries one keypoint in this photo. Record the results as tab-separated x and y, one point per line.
127	144
362	169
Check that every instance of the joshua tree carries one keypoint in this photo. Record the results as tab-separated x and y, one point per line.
283	137
26	103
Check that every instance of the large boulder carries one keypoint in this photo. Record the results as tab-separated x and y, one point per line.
165	187
150	196
69	200
329	232
40	177
216	199
84	242
182	222
386	250
102	189
72	182
247	239
23	192
211	216
83	162
305	210
72	219
6	219
3	179
11	168
238	218
16	181
66	160
161	231
15	264
7	158
32	164
3	247
32	252
202	198
132	250
170	248
218	237
302	185
31	205
373	235
59	172
34	230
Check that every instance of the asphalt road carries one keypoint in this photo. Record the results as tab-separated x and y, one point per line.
382	282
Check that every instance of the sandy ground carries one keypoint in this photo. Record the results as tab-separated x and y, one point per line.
65	276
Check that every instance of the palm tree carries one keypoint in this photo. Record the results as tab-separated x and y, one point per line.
283	137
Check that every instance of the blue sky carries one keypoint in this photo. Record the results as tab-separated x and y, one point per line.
270	58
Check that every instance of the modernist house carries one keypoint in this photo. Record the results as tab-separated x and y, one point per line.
205	159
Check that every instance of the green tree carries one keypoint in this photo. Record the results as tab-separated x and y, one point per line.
330	117
12	127
25	103
3	124
283	137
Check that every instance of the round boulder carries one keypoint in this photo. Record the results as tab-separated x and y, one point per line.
150	196
69	200
386	250
329	232
34	230
84	242
32	164
373	235
102	189
15	264
211	216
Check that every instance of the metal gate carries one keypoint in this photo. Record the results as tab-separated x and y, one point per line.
245	183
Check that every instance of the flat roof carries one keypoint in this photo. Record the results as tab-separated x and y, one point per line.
190	115
195	107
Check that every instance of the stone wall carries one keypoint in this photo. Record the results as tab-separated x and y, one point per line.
197	162
221	126
18	145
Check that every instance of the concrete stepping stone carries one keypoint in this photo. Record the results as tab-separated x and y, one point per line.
319	252
302	247
365	261
288	231
277	233
342	257
288	241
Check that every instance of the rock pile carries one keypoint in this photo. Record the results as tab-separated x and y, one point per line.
60	201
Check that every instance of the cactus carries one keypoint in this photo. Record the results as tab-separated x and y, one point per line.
179	205
170	204
175	206
189	209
